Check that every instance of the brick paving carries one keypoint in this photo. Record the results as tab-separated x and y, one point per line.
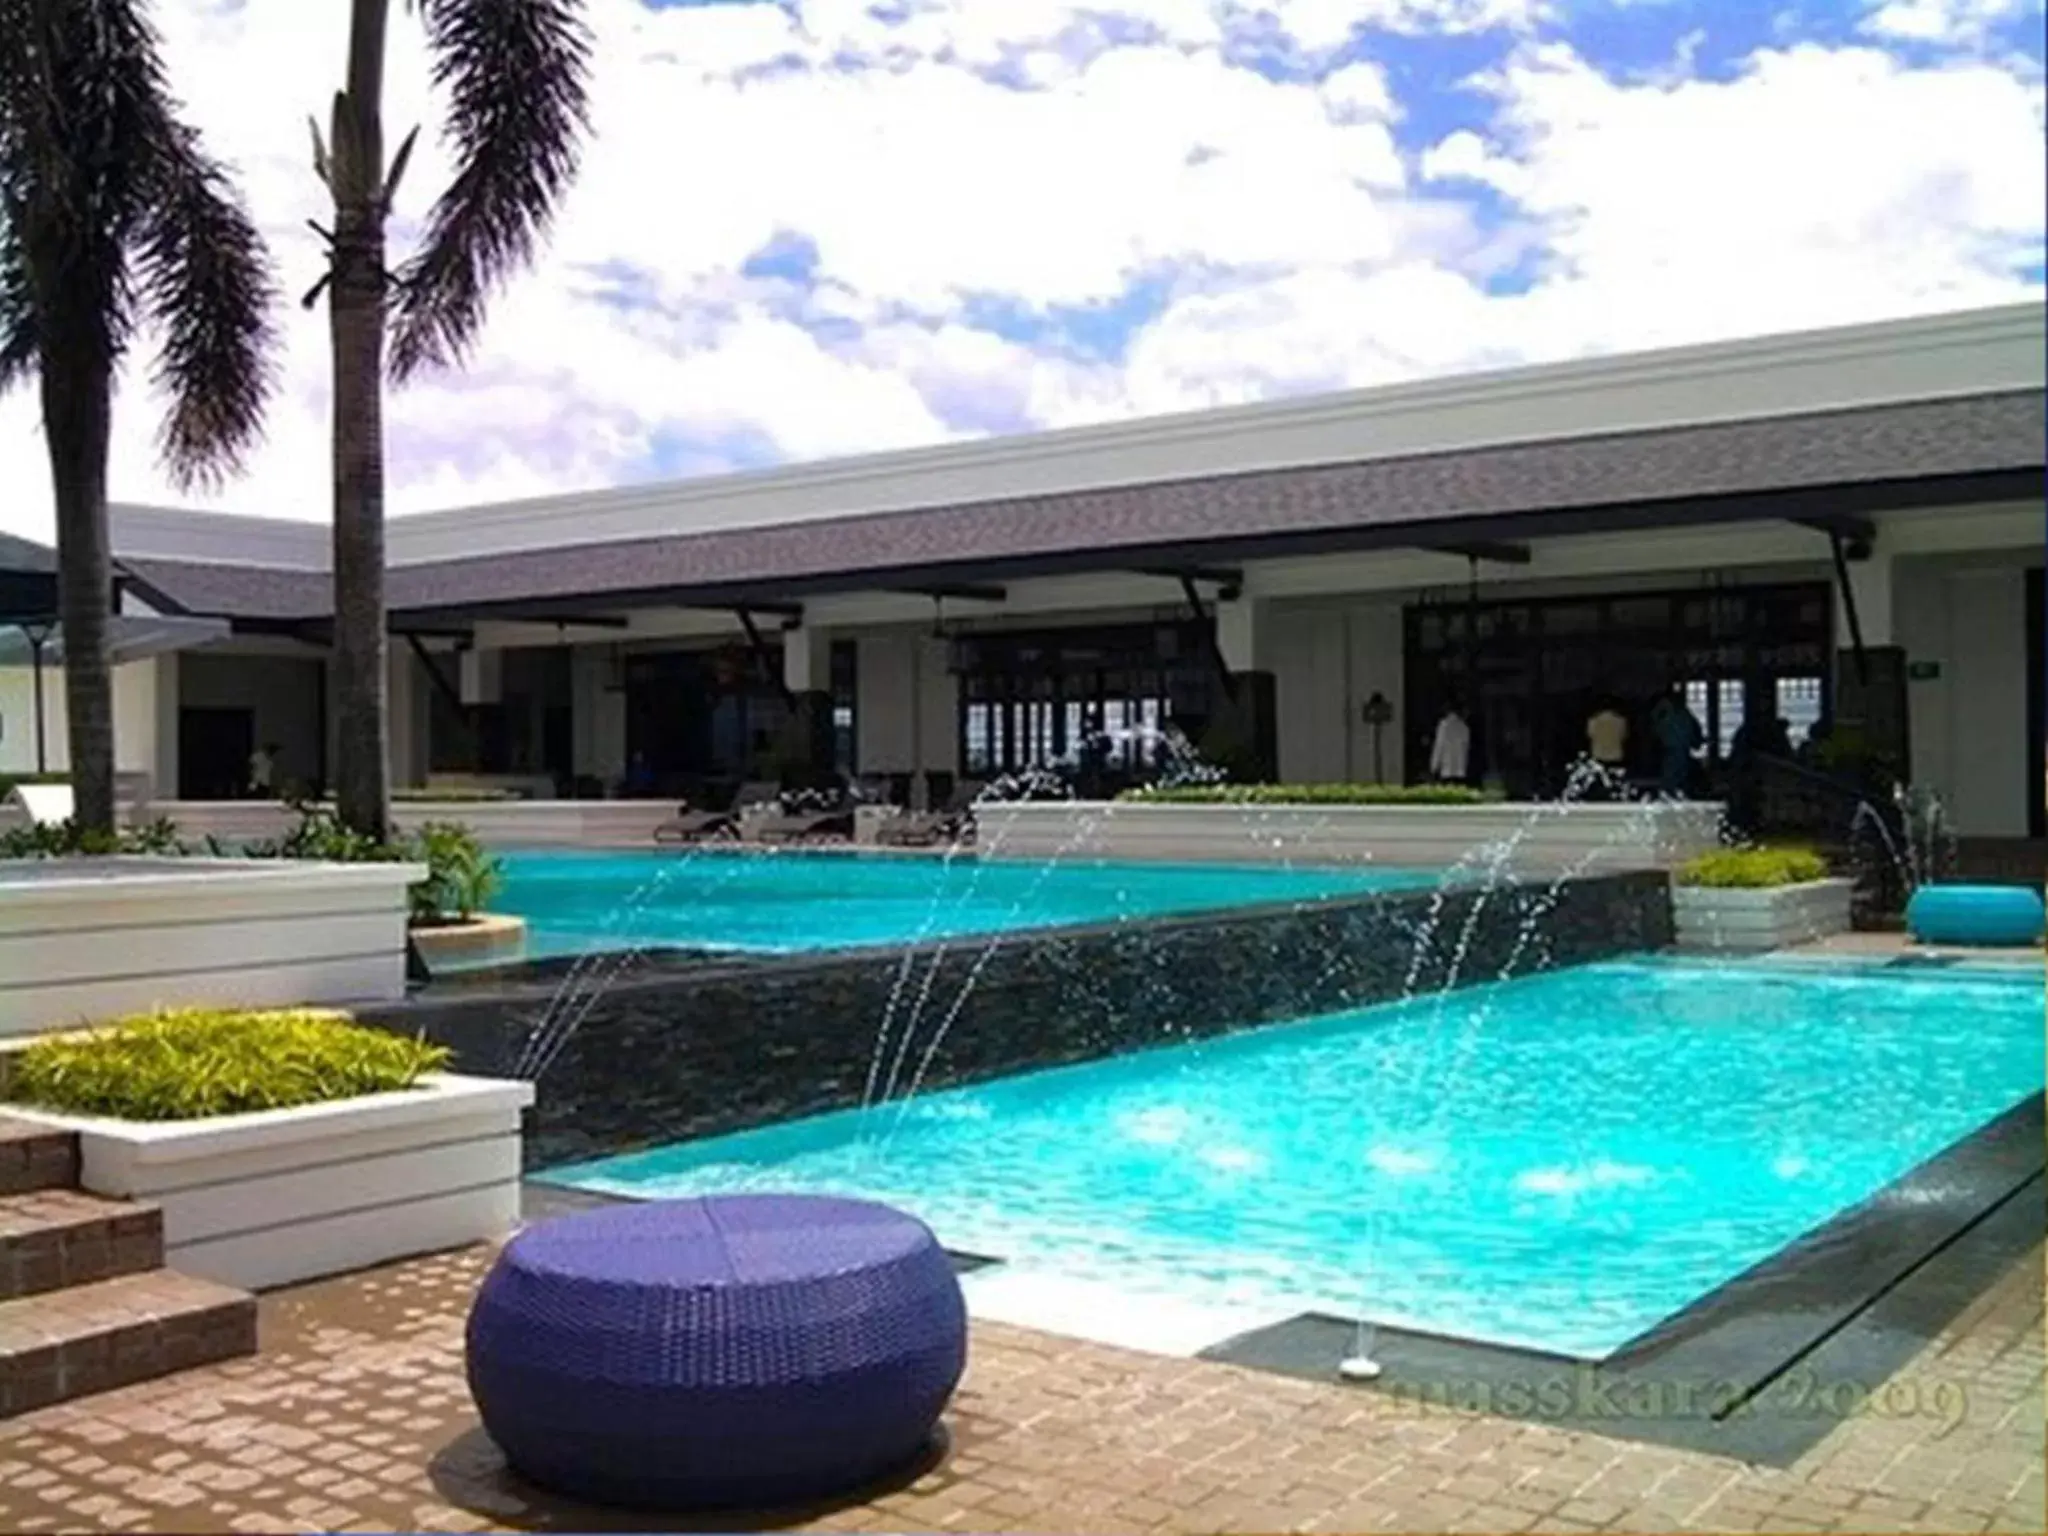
356	1417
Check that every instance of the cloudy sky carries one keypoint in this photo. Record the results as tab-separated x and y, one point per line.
825	227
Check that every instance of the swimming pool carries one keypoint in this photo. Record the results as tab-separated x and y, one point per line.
784	901
1558	1162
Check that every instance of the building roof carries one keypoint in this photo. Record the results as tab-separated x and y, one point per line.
233	590
1831	462
28	580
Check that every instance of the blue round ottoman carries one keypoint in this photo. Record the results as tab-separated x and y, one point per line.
1982	915
734	1351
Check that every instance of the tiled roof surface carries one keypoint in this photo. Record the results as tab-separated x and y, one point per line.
1869	445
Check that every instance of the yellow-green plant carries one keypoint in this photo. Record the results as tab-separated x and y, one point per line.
1753	869
192	1063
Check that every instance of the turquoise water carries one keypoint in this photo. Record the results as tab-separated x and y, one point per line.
1558	1162
781	901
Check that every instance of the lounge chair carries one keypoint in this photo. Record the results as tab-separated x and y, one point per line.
951	823
818	815
51	805
47	805
699	825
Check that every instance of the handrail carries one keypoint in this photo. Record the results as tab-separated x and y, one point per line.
1836	808
1847	788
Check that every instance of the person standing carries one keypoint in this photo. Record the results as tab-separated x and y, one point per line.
263	771
1450	754
1678	735
1607	738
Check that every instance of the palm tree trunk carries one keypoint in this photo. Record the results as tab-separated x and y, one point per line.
357	320
77	413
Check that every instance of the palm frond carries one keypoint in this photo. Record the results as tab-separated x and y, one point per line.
205	277
20	338
107	199
71	79
517	77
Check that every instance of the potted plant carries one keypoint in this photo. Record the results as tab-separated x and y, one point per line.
449	924
446	921
1752	899
281	1145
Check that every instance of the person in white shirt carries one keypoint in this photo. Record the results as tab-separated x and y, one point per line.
1450	753
262	771
1607	737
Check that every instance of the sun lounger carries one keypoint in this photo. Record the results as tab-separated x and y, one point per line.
698	825
825	818
951	823
47	805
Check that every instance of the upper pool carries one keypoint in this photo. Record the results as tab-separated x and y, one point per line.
787	901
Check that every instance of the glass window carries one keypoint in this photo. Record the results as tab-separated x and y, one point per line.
1728	711
1799	706
845	704
1699	698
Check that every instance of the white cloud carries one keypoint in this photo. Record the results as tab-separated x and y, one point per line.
1300	246
1818	187
1953	23
1320	25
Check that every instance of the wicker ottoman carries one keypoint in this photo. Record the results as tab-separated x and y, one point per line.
739	1351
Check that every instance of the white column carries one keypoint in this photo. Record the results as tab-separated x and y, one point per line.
400	737
1871	582
1243	634
135	717
598	714
938	707
807	659
480	675
164	778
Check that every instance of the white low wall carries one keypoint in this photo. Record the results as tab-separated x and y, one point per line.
87	939
496	823
1532	839
287	1195
1749	921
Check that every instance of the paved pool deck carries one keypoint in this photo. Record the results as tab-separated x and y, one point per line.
356	1417
1898	947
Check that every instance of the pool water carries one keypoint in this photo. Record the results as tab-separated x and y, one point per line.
783	901
1558	1162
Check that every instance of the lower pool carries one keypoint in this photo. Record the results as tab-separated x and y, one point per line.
1558	1162
785	900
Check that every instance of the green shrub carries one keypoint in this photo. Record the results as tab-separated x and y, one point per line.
1310	794
1753	869
461	877
66	839
321	835
195	1063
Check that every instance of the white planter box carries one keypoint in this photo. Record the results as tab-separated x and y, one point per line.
496	823
1747	921
287	1195
83	940
1517	839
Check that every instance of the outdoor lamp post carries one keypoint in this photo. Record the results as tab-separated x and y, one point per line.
38	636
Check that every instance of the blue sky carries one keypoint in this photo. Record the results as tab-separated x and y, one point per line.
822	227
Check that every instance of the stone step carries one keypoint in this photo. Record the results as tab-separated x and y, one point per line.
36	1157
113	1333
53	1238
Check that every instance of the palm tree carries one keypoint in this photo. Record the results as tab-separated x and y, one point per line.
113	216
516	77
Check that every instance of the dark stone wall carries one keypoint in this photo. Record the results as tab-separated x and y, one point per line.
684	1047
